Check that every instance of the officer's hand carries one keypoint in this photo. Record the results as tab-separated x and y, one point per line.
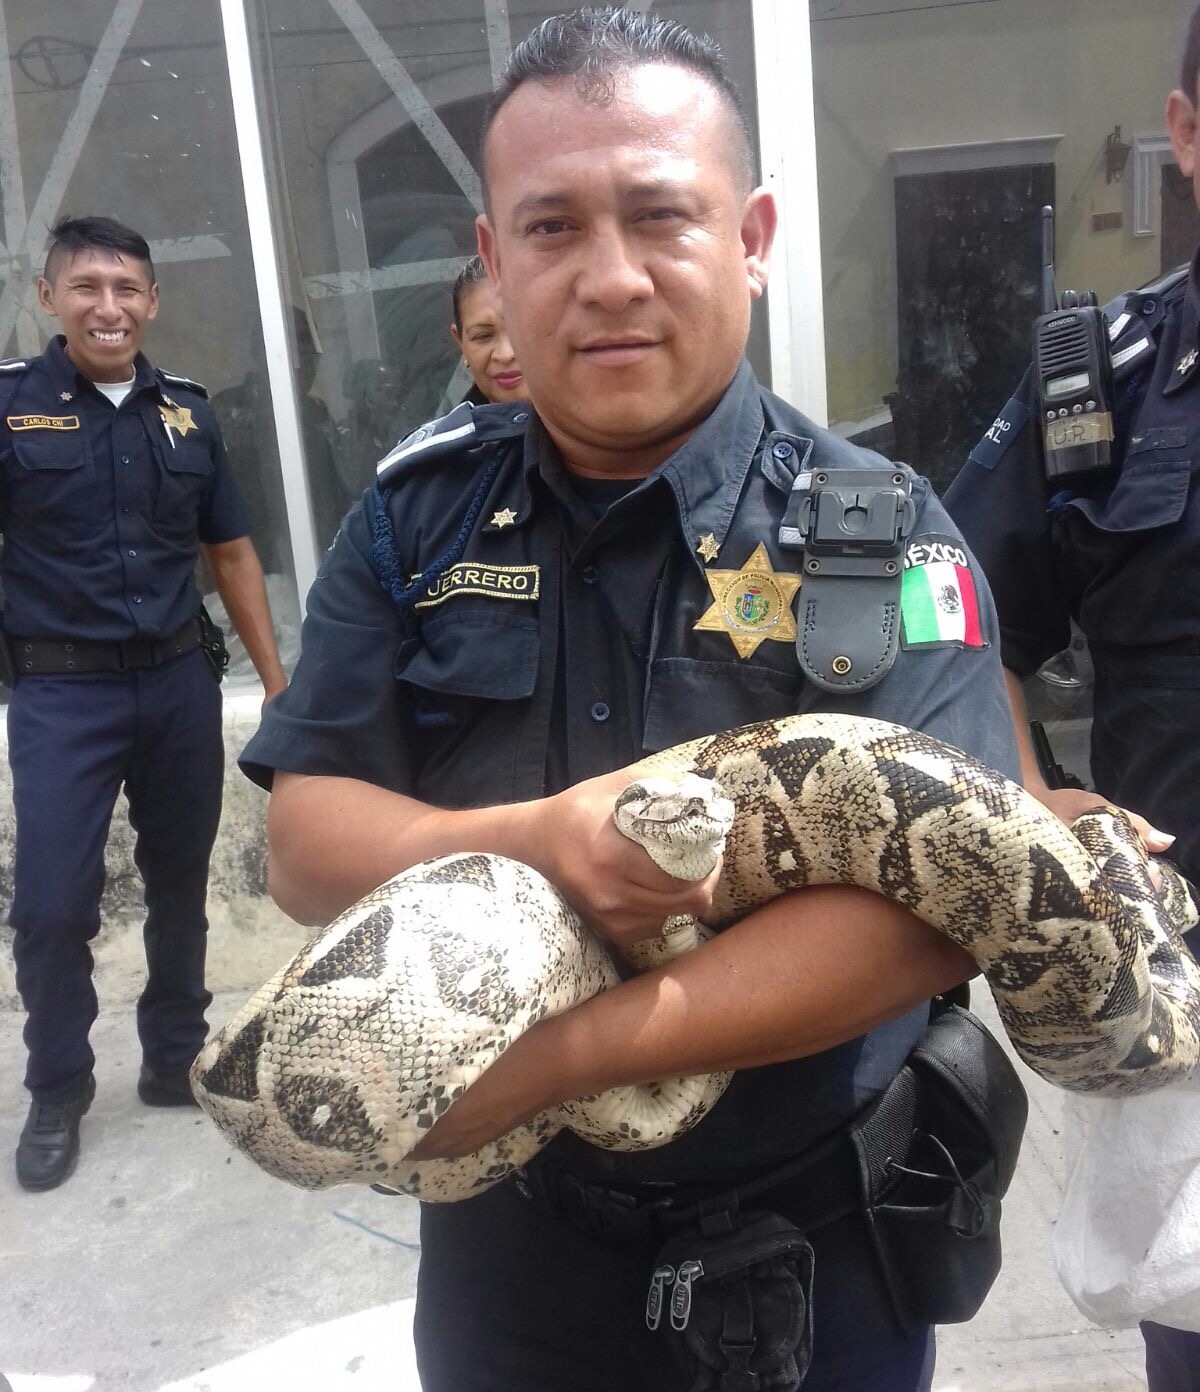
271	691
1069	803
608	879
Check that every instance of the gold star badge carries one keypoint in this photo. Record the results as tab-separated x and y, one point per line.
708	548
505	517
1187	362
177	418
752	604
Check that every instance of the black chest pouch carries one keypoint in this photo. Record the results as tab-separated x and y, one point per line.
852	525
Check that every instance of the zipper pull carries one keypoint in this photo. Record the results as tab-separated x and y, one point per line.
655	1295
681	1295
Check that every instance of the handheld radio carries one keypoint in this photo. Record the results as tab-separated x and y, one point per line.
1072	376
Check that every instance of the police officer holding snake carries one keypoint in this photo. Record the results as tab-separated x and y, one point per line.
1116	549
536	595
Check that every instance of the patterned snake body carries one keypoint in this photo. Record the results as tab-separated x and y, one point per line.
339	1064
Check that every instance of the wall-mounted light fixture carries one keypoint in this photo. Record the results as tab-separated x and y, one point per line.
1116	155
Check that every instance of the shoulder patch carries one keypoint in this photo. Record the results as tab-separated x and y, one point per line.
1129	352
1001	433
11	370
939	605
461	429
175	380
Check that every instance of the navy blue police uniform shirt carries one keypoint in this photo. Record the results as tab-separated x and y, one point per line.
1120	555
102	509
563	643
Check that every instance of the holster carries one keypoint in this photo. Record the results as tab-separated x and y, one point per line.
936	1154
8	670
212	640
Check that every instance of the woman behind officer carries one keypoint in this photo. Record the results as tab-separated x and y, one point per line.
479	331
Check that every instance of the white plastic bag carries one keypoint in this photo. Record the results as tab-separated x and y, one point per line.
1127	1243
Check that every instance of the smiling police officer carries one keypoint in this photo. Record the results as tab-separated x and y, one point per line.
535	596
112	477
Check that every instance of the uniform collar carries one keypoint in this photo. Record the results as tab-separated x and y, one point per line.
68	381
705	474
1189	333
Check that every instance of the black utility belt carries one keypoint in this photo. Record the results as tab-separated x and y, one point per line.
925	1165
822	1185
77	656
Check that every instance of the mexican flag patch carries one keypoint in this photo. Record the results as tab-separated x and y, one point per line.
938	604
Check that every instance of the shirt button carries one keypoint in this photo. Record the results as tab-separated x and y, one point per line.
600	712
124	459
124	509
137	599
590	574
132	552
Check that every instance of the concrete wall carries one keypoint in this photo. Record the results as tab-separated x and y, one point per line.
965	74
249	938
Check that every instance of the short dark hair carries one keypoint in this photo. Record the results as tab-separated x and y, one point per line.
593	45
1190	71
471	274
70	235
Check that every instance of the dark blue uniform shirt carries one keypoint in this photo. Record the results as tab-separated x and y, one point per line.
102	509
1120	555
562	644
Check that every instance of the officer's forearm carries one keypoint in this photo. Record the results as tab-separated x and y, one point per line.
332	840
239	580
807	972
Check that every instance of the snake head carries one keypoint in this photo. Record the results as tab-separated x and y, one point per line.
681	820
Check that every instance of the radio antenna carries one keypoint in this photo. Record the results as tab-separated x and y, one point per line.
1049	294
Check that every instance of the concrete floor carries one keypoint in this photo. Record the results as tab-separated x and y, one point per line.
169	1262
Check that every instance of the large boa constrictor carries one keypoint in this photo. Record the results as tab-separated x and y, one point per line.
341	1062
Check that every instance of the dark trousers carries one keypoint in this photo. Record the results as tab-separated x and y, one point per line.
73	743
511	1299
1172	1359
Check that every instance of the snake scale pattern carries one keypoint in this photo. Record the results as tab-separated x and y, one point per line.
334	1070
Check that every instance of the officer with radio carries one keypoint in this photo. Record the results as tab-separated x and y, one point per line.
1081	504
113	476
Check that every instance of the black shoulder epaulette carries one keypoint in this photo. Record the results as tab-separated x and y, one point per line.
464	428
173	379
1146	303
14	364
1165	282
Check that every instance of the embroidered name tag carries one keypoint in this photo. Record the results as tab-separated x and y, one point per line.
495	581
43	422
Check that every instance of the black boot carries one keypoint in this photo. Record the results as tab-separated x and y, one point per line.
165	1089
49	1144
